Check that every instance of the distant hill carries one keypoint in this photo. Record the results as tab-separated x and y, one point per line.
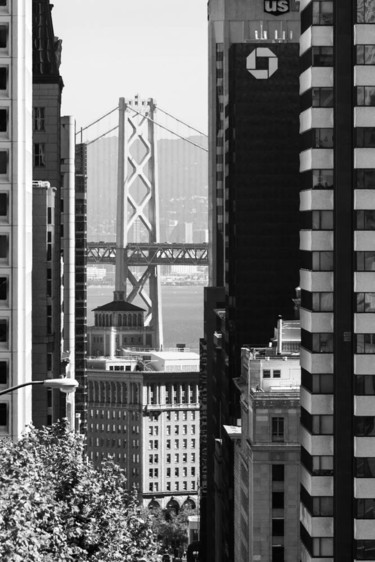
182	176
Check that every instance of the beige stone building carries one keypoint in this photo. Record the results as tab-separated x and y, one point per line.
266	458
143	411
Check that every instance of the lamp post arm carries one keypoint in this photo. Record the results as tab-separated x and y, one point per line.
10	389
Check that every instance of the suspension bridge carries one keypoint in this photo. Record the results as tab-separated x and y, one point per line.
137	128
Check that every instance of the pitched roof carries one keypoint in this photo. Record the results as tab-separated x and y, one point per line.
119	306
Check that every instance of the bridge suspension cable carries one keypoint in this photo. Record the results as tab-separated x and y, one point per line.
182	122
169	130
186	139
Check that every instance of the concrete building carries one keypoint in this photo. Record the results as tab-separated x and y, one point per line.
143	410
337	162
15	213
253	201
44	236
267	458
118	324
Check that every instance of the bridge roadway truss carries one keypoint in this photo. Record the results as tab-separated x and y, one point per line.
145	254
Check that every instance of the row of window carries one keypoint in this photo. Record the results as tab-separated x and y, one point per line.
154	486
154	443
323	302
323	342
176	430
323	261
364	426
276	373
323	179
364	137
113	414
101	442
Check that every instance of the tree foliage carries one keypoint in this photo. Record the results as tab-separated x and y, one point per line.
55	506
171	528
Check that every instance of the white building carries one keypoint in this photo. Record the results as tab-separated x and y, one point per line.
15	212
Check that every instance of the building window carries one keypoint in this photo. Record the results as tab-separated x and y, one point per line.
3	330
322	506
192	457
364	385
176	444
365	220
277	500
266	374
39	118
322	547
322	56
322	302
365	508
278	472
322	425
276	373
365	54
39	155
168	486
4	162
322	138
365	467
322	384
364	179
365	11
277	429
322	13
322	179
365	137
3	372
3	288
277	527
365	302
322	261
3	120
322	343
277	553
3	205
365	95
3	78
322	97
365	261
364	550
168	458
365	343
193	443
322	465
3	416
322	220
364	426
168	443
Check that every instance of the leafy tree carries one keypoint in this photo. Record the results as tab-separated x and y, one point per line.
171	527
55	506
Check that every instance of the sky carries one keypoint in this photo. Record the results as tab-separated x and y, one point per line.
120	48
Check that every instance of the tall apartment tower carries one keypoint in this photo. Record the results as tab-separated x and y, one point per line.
338	281
15	213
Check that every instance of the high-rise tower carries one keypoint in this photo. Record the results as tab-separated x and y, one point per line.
15	213
254	218
338	280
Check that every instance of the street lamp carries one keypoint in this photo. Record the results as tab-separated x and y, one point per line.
65	385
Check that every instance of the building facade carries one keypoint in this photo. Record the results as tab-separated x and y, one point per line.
15	213
253	197
267	459
118	324
337	163
143	411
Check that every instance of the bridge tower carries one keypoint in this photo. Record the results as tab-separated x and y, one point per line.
138	209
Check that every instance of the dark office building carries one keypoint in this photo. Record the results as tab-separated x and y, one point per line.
338	281
254	214
261	192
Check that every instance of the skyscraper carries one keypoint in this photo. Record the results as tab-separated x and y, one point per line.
15	213
253	202
337	280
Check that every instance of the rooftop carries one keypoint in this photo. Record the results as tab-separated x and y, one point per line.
119	306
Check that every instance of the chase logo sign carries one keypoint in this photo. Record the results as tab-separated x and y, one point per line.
252	64
276	7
